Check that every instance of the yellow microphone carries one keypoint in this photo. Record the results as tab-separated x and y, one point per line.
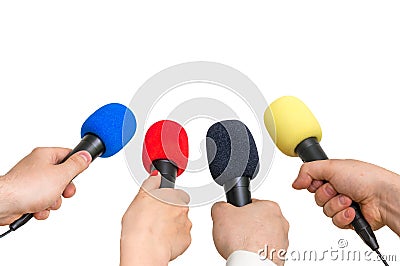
296	132
293	128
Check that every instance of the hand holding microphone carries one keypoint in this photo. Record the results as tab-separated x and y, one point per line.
376	189
156	227
104	134
242	226
36	183
250	228
296	132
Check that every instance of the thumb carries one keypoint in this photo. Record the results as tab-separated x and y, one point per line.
313	171
151	183
74	165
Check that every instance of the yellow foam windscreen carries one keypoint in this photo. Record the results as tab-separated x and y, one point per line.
289	121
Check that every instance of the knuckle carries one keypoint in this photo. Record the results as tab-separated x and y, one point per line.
216	209
336	221
189	224
272	205
37	150
188	241
124	218
326	211
286	224
184	210
304	167
318	199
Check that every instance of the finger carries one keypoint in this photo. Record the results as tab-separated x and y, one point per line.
344	218
42	215
255	200
75	165
317	170
59	154
69	191
315	184
151	183
325	193
336	205
56	205
55	155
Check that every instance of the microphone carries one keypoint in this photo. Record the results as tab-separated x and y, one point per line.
296	132
232	159
166	149
104	133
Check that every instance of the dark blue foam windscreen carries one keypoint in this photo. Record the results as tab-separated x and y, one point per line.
231	151
114	124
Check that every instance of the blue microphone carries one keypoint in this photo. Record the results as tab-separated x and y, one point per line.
104	133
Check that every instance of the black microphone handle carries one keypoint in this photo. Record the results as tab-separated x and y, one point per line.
238	191
89	143
168	172
310	150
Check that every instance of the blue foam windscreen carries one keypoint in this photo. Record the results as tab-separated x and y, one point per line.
114	124
231	151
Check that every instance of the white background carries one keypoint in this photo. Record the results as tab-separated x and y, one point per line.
61	60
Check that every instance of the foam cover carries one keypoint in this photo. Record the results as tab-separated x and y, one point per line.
289	121
231	151
114	124
166	140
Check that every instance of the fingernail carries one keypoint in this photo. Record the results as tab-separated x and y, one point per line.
86	156
154	173
342	199
347	214
330	191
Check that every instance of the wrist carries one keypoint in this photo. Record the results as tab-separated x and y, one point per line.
390	198
6	201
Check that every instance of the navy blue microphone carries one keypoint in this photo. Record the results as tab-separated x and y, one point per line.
232	159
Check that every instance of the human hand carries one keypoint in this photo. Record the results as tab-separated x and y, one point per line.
36	183
377	190
156	227
249	228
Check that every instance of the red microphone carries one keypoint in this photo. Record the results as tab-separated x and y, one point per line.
166	149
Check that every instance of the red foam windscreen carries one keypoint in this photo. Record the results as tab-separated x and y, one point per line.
166	140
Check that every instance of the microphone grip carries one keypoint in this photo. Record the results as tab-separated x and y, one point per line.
310	150
238	191
89	143
363	229
21	221
168	172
